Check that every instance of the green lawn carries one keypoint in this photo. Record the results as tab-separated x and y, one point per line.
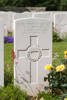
7	49
48	96
58	49
8	74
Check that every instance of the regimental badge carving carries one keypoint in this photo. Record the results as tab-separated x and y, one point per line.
34	54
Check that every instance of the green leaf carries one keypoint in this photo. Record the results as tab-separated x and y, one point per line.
64	85
46	88
45	78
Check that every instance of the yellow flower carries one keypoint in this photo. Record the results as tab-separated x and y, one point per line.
60	68
42	99
48	67
65	98
65	54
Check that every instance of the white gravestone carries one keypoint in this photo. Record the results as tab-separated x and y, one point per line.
7	18
1	54
33	49
60	23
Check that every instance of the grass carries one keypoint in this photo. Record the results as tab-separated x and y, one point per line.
8	71
58	49
7	54
48	96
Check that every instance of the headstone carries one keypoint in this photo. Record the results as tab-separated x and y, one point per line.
60	24
7	18
1	54
33	49
22	15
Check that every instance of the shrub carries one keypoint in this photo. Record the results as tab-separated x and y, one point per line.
12	93
47	96
8	76
56	38
8	64
57	79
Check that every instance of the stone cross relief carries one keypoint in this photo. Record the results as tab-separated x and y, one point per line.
34	54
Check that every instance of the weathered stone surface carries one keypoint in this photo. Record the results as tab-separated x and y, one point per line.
33	48
22	15
7	18
1	54
60	23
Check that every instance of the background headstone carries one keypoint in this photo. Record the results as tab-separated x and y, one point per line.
60	24
22	15
1	54
7	18
33	49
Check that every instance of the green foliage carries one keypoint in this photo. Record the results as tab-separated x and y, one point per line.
12	93
56	38
57	80
59	48
8	76
51	5
47	96
8	70
63	97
